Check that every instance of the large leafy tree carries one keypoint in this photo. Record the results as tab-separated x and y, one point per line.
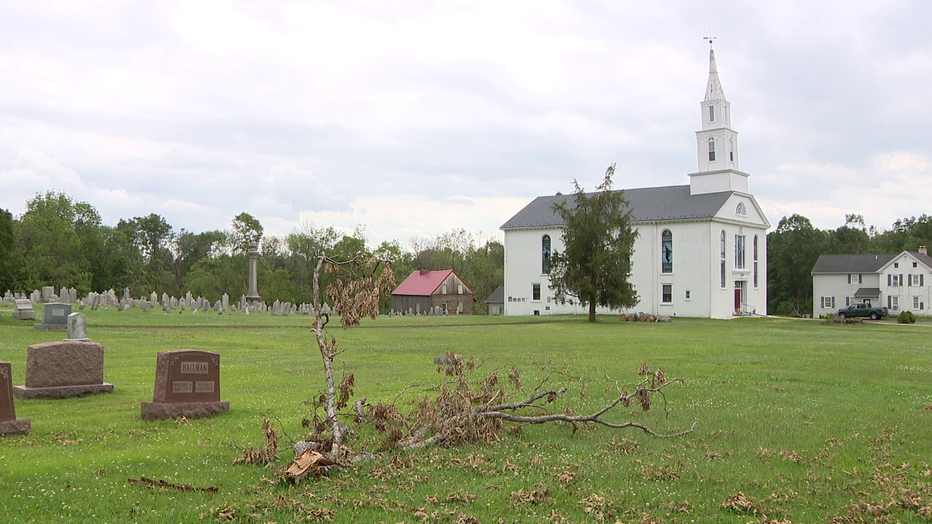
792	251
246	230
595	265
7	251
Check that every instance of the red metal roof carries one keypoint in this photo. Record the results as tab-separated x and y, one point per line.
424	284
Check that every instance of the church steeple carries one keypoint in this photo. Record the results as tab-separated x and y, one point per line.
717	143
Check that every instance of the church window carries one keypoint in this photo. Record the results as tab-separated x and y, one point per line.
545	254
666	251
711	150
731	156
755	261
741	210
723	258
711	113
535	291
667	294
739	251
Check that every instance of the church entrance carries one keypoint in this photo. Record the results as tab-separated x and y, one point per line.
740	299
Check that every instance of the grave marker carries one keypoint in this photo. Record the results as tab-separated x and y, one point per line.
22	309
57	370
9	424
55	316
187	383
77	327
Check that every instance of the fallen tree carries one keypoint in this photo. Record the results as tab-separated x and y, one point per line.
465	410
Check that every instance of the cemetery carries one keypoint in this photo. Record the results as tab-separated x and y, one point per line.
786	411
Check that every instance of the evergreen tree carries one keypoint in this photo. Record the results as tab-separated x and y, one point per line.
595	266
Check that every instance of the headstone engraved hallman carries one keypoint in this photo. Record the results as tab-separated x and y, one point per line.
187	384
55	316
9	424
56	370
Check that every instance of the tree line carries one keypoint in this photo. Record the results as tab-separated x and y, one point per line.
794	247
61	242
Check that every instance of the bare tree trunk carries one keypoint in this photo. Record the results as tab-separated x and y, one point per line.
327	354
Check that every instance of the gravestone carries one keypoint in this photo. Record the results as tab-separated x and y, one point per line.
9	424
55	316
77	327
187	384
56	370
22	309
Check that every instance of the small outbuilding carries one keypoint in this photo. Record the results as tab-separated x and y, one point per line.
496	301
426	291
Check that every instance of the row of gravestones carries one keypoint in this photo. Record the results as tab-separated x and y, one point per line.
187	381
109	298
431	311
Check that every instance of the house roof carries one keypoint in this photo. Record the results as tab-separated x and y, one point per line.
426	283
646	204
851	263
870	263
497	296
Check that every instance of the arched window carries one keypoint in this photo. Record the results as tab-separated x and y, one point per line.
723	258
711	149
545	254
666	251
741	210
755	261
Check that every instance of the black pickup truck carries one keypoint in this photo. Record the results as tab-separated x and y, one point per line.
862	309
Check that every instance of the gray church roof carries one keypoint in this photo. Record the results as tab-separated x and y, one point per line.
647	204
851	263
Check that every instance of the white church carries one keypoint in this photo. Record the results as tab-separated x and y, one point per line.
701	249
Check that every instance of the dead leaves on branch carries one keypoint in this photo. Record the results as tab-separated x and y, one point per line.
357	295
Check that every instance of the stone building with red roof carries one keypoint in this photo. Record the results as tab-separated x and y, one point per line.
425	290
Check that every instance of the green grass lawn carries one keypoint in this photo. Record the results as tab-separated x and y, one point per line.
809	422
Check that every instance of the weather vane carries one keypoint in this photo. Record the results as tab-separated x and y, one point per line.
709	38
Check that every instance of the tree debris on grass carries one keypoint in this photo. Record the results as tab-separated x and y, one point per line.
161	484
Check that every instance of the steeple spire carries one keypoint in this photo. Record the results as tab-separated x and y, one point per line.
713	89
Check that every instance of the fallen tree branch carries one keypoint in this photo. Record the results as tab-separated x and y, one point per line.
161	484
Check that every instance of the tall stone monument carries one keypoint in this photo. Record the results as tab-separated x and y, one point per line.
252	296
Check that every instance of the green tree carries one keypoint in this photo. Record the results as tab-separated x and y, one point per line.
595	266
792	251
7	251
54	239
246	230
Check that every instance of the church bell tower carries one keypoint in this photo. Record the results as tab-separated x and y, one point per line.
717	142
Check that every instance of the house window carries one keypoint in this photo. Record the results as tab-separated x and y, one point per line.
739	251
459	289
667	297
545	254
687	295
894	280
666	251
755	261
723	259
443	289
459	307
535	291
711	150
915	265
896	265
828	302
916	280
711	113
915	302
896	302
443	307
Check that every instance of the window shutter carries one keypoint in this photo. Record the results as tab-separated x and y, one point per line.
901	279
823	303
921	279
889	305
849	278
888	279
847	301
859	279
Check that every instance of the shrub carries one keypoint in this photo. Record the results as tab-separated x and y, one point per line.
906	317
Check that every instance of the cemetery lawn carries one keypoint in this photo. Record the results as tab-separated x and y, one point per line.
797	422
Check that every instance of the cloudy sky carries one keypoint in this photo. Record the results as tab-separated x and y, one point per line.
413	118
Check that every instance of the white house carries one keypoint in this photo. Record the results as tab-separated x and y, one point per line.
701	249
898	281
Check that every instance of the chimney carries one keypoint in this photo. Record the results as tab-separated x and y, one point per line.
424	270
923	250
